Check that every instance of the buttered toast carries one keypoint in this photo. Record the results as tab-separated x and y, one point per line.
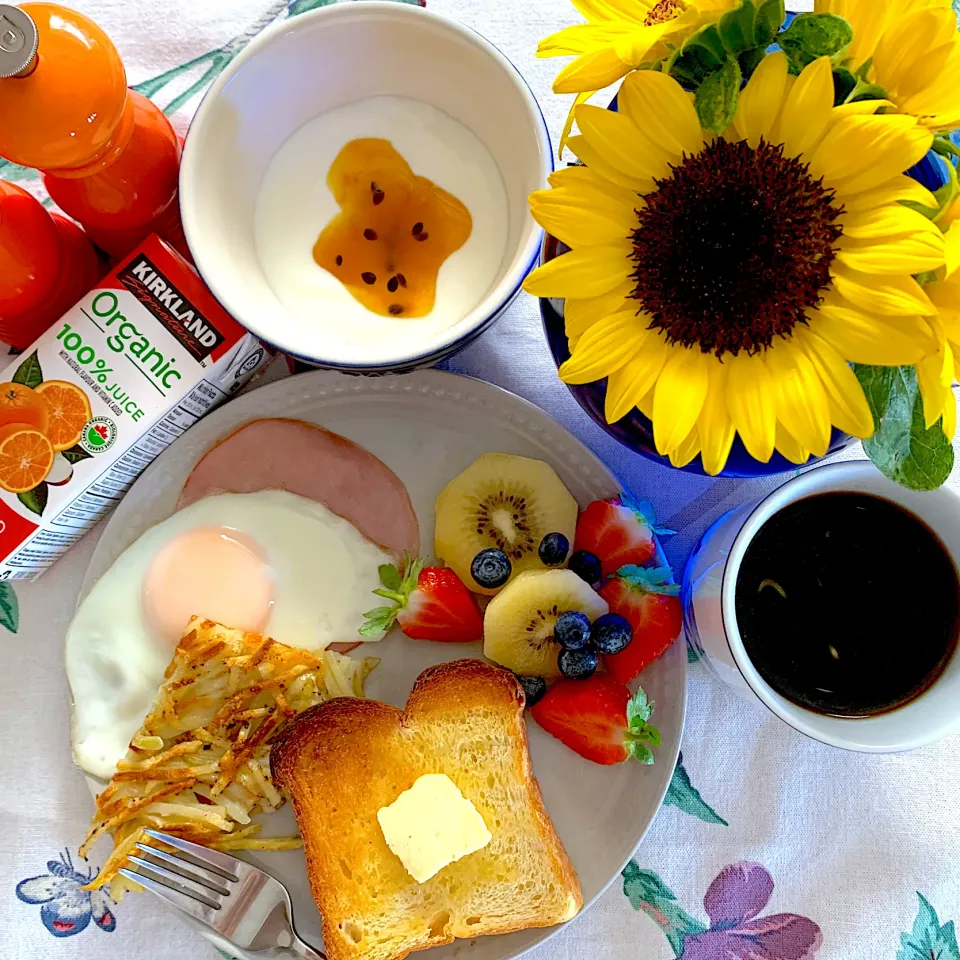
343	761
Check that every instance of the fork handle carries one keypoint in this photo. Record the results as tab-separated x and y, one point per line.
302	949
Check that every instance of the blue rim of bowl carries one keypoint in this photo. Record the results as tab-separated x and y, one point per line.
444	350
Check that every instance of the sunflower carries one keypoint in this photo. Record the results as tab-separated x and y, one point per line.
618	36
911	48
723	284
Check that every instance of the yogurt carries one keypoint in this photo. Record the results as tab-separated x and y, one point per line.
294	204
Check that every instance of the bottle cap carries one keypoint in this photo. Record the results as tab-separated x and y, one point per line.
18	42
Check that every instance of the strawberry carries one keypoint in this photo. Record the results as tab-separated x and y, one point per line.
618	532
427	603
650	603
598	719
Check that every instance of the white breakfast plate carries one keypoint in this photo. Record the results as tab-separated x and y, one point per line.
427	427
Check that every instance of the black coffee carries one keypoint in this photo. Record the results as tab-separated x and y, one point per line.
848	604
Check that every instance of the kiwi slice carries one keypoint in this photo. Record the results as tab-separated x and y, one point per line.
518	622
506	502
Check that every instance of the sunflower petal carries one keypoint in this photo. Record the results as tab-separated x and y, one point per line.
579	177
848	406
678	399
911	253
598	11
866	337
751	404
681	455
605	347
579	314
896	295
761	99
596	162
627	386
582	218
787	445
588	272
657	104
806	112
621	143
715	426
951	240
934	378
802	404
878	149
591	71
860	108
887	221
900	187
581	97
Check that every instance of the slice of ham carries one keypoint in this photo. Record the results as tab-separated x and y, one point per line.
302	458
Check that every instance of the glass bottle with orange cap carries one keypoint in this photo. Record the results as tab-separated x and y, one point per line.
109	157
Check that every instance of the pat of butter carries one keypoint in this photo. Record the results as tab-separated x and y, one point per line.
431	825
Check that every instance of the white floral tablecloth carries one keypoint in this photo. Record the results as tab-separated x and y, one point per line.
769	847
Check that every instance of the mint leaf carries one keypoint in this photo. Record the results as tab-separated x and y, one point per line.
378	612
716	98
814	35
640	751
35	500
373	628
902	448
928	938
389	576
29	372
639	709
9	607
651	579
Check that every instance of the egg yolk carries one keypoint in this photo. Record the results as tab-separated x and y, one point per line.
212	572
393	232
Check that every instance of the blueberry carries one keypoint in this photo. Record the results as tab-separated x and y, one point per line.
491	568
586	566
572	630
554	548
534	688
611	633
578	664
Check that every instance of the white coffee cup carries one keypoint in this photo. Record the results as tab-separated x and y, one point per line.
709	589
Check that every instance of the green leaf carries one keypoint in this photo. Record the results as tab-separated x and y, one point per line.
844	83
373	628
928	939
377	612
814	35
716	97
639	709
640	752
9	607
683	795
700	55
35	500
770	17
737	28
29	372
76	454
389	576
902	448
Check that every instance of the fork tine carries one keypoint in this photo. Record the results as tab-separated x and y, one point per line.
167	861
203	909
212	860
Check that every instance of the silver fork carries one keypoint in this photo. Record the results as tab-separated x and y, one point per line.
242	904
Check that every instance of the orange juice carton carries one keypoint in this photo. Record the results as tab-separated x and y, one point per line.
87	407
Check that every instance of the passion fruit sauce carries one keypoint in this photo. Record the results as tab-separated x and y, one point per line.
848	604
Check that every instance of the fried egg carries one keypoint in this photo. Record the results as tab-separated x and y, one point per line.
269	562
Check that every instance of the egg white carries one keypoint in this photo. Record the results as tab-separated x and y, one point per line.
323	571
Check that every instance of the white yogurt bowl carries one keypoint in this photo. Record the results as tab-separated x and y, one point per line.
328	58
